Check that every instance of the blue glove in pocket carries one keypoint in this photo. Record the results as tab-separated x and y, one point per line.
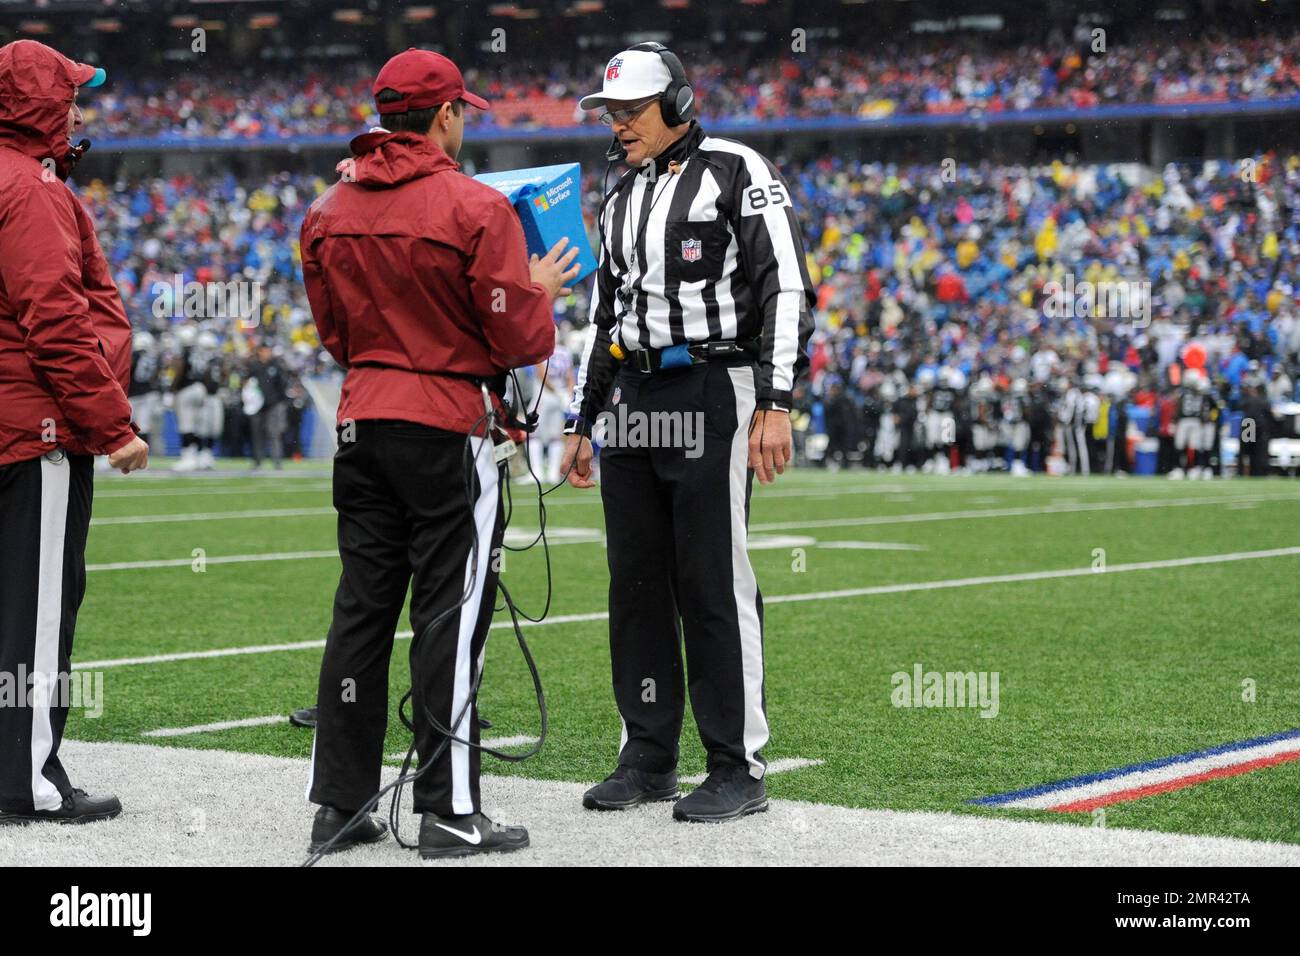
676	356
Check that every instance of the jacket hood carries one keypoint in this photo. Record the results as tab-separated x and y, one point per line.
382	159
37	85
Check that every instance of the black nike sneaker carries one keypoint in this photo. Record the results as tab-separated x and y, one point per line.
627	787
728	792
330	821
78	807
445	837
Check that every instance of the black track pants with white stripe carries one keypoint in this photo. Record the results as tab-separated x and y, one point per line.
44	517
676	525
403	493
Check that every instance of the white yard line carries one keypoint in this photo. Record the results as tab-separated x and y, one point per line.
234	809
1010	512
210	728
203	492
777	599
216	559
494	743
593	536
214	516
871	546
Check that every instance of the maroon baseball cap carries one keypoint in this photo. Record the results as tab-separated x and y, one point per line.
425	79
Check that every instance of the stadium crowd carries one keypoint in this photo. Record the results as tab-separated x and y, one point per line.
940	343
917	78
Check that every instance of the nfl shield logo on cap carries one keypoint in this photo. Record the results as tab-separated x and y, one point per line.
692	250
611	71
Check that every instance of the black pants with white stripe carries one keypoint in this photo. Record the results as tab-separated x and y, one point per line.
409	501
44	517
676	526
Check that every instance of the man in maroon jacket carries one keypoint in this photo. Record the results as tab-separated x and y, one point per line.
421	287
65	359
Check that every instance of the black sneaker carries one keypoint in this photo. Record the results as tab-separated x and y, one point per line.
627	787
330	821
728	792
444	837
79	807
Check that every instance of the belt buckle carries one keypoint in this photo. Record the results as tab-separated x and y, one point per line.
643	362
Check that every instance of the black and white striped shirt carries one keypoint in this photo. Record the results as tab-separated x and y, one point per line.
700	245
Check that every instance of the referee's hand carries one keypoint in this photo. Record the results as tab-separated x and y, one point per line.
770	444
576	463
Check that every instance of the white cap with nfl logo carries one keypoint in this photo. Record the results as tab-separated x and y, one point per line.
630	75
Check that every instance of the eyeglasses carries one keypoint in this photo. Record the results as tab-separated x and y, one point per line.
610	117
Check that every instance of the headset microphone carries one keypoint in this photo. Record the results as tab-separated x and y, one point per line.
616	153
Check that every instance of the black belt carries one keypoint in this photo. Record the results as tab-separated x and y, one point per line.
649	361
497	382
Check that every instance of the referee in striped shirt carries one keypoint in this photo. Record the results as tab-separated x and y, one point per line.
700	319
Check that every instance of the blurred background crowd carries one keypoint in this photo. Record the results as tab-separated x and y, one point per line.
1039	244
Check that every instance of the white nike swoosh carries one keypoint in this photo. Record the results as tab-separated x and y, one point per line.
472	837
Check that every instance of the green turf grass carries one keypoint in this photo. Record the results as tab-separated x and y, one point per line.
1095	671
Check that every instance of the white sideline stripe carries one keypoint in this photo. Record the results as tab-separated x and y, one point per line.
253	816
783	765
209	728
1010	512
777	599
1144	778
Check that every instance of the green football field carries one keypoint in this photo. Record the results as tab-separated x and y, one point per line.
1110	647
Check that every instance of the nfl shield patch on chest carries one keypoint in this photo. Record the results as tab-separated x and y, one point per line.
692	250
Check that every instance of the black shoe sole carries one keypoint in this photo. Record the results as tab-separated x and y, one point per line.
457	852
649	796
757	805
294	721
23	819
348	844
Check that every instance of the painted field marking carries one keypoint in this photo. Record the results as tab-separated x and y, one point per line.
493	743
782	765
216	559
213	516
1085	793
1008	512
219	490
528	534
777	599
872	546
211	728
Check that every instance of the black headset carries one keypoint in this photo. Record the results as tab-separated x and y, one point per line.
676	103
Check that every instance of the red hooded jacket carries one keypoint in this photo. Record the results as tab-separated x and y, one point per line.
417	277
65	340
